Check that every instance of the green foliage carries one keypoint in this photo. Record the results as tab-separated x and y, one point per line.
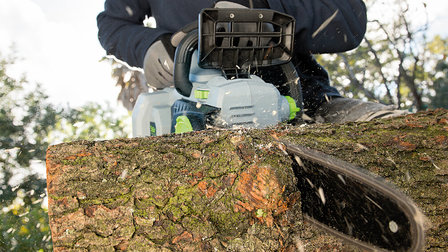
24	218
90	122
28	124
25	120
439	99
438	46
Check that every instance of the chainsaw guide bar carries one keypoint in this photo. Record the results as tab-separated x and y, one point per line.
350	203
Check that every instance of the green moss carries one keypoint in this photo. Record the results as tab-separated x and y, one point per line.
87	161
113	202
56	197
172	229
156	234
180	204
226	220
199	227
260	213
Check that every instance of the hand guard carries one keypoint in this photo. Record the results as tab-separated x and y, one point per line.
342	110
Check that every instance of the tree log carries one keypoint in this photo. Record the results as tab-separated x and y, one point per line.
233	190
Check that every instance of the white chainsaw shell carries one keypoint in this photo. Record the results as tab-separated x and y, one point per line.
242	102
156	108
248	102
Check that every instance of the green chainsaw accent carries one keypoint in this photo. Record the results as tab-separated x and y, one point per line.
201	94
183	125
293	109
152	128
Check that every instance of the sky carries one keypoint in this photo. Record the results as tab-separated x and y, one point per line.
58	46
56	41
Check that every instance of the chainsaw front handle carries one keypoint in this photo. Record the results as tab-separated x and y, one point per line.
182	63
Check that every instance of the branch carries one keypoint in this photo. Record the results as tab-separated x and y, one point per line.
380	69
354	80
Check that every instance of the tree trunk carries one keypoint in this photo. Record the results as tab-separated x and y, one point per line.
233	190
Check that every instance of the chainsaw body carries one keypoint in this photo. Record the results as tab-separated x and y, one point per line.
215	101
214	85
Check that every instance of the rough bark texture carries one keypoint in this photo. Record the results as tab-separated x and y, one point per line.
232	190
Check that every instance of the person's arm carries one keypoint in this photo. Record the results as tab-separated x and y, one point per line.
325	26
121	31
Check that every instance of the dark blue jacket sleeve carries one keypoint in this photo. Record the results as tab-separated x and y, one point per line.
121	31
325	26
322	26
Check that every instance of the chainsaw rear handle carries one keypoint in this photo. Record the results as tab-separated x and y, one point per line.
182	63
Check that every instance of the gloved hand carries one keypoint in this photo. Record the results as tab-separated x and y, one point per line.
342	110
158	64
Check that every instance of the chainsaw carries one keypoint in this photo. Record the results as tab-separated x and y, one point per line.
213	80
216	85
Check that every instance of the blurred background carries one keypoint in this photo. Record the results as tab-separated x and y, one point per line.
57	86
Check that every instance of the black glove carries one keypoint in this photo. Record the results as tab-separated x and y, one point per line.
158	64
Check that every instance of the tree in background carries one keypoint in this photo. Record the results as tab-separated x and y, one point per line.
131	81
440	97
89	122
25	120
395	64
28	124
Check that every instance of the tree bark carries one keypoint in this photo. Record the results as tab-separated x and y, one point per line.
233	190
